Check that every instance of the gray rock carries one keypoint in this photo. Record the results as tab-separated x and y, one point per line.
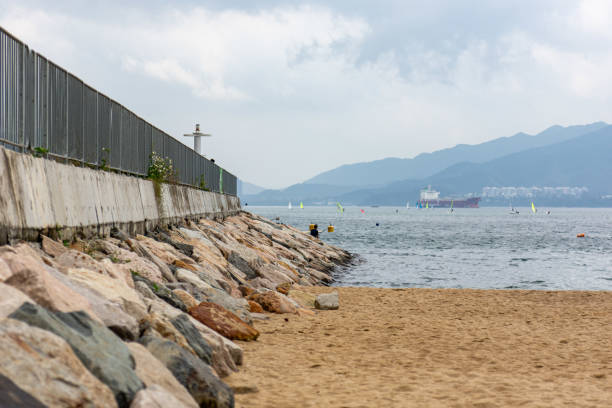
11	299
239	306
44	365
98	348
111	313
243	266
15	397
163	237
189	288
327	301
144	290
156	397
195	375
193	336
162	292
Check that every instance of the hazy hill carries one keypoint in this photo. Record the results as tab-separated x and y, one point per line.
385	171
308	193
558	156
245	188
581	161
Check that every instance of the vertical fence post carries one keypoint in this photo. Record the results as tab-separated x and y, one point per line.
33	94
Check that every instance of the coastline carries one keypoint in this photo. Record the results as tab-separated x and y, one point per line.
435	347
222	312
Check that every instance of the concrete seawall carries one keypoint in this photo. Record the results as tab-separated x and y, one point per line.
43	196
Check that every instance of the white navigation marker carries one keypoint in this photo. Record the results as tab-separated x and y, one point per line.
197	139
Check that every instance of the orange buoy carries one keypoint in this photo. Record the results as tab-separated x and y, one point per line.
581	235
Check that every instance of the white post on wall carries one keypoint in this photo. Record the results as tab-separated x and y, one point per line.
197	139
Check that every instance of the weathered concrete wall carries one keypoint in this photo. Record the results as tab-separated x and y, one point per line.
43	196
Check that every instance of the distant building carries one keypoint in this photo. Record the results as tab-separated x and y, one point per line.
532	192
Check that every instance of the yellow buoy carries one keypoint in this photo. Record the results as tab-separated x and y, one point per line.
330	228
311	227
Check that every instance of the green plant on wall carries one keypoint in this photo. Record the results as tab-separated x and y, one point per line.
40	151
104	158
161	169
203	183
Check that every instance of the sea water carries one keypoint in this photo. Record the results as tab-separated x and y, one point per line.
486	248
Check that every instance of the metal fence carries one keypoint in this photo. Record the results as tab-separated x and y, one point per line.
46	110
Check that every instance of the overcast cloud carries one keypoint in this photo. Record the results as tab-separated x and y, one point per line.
290	89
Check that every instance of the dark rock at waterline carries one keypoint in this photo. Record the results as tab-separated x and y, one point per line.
98	348
11	396
194	338
195	375
163	292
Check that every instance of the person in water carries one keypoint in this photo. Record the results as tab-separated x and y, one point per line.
315	231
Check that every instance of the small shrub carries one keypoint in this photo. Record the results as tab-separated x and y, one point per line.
104	158
40	151
161	169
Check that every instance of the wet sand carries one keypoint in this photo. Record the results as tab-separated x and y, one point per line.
423	348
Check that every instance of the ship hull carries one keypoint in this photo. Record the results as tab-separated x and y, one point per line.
471	202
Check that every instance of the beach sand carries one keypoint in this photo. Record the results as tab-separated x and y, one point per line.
424	347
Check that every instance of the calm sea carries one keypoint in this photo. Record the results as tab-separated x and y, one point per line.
485	248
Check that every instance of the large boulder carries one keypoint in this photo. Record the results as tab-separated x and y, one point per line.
164	328
235	258
52	248
186	297
143	252
225	353
163	293
239	306
305	299
32	277
193	337
109	312
255	307
327	301
75	259
98	348
223	321
5	271
43	364
274	274
15	397
195	375
11	299
156	397
153	373
115	290
273	302
185	275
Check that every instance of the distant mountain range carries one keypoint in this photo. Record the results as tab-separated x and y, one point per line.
245	188
574	156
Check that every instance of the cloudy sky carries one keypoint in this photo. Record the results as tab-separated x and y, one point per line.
290	89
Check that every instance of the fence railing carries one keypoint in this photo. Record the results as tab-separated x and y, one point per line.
47	110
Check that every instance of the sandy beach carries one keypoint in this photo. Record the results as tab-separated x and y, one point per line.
422	348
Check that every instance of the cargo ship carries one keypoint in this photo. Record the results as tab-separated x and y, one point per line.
431	198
